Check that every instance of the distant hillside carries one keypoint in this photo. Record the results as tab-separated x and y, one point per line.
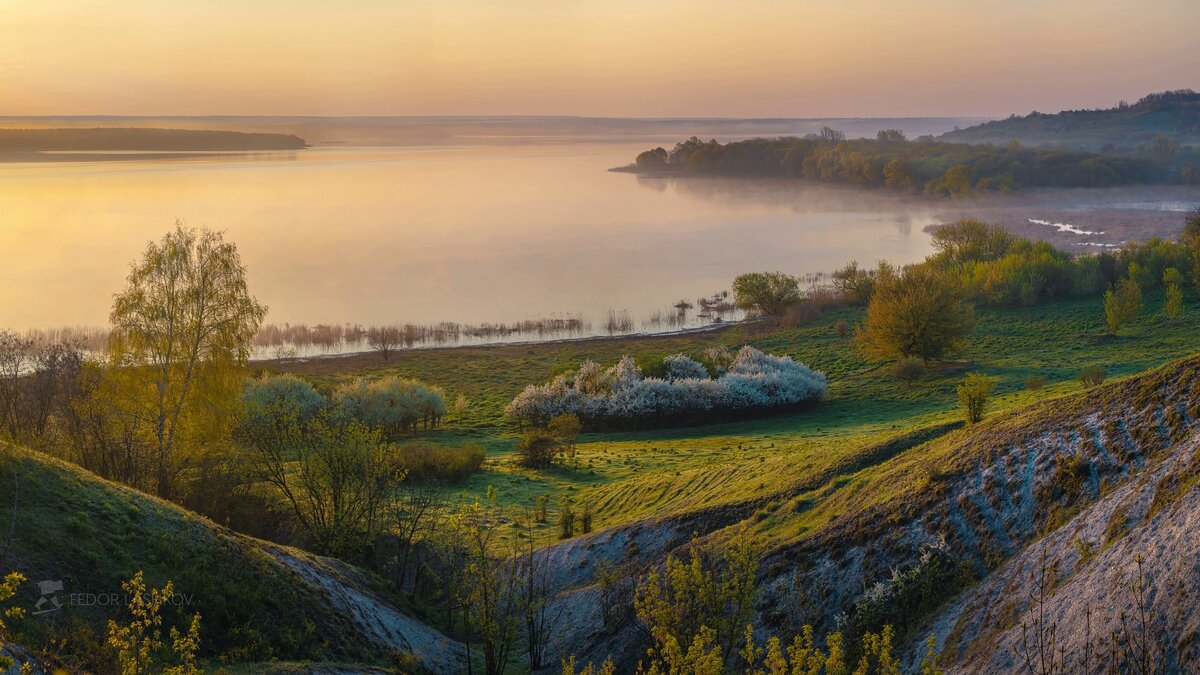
258	602
176	140
1173	115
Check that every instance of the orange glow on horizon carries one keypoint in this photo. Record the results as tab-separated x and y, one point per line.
757	58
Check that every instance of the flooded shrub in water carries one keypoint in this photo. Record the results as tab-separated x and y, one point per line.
622	396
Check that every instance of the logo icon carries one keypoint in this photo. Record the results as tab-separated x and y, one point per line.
49	601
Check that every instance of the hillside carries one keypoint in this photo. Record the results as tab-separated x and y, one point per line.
895	515
941	538
259	602
1173	115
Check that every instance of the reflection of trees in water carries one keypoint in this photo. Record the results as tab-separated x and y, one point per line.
799	196
656	183
904	223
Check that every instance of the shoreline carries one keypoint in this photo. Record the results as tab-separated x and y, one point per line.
642	335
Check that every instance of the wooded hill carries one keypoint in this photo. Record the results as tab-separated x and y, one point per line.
96	140
1172	115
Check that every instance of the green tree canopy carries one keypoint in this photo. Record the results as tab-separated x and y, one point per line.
766	292
185	321
1121	304
970	241
919	312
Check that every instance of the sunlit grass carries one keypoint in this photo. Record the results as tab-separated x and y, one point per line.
630	476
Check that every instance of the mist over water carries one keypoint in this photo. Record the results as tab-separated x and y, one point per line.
480	234
462	232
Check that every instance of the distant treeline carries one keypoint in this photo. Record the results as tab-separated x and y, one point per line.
35	140
937	168
1173	116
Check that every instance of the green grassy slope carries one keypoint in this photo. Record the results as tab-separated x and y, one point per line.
92	535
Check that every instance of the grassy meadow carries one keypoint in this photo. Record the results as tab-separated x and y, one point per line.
633	475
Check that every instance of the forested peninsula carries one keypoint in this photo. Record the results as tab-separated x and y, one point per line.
1160	146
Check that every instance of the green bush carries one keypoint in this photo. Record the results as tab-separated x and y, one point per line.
392	405
271	396
422	461
537	449
1092	375
909	369
973	396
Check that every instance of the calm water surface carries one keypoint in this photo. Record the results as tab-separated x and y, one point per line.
467	234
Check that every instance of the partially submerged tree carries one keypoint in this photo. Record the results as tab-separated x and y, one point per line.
384	339
970	241
181	332
652	160
853	283
767	293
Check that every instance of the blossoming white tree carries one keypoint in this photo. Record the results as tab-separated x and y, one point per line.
621	393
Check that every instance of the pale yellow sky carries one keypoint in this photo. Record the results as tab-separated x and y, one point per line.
652	58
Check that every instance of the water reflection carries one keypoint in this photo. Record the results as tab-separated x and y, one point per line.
472	235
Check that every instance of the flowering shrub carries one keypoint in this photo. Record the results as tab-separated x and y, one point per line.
392	405
274	396
622	396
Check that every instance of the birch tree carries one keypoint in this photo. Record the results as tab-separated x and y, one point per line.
182	328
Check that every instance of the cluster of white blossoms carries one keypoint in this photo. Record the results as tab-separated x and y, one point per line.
394	405
750	379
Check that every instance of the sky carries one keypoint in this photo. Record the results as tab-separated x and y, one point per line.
624	58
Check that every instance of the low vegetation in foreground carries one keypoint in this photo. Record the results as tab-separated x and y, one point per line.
957	414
